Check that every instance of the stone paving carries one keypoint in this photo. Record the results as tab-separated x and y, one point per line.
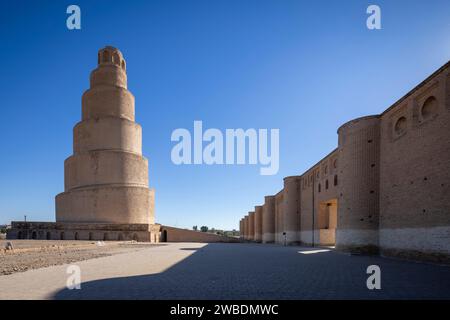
232	271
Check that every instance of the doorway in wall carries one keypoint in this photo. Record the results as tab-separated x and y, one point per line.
327	222
164	236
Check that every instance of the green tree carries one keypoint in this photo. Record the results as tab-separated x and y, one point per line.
204	229
194	228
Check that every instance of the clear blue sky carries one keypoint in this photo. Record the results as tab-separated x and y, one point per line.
304	67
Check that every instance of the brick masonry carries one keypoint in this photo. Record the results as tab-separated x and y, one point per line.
385	188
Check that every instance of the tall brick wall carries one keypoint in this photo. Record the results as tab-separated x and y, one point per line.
246	228
415	173
307	208
325	194
279	217
268	220
251	225
241	228
385	188
359	168
258	223
291	209
317	187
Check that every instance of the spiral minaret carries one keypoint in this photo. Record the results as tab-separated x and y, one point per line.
106	178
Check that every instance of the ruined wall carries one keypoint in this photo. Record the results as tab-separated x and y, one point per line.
268	220
415	173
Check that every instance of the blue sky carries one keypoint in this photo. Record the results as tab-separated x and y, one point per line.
304	67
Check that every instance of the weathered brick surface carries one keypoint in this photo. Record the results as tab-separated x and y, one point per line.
359	168
246	237
279	217
251	225
415	172
268	220
258	223
389	181
182	235
291	209
84	231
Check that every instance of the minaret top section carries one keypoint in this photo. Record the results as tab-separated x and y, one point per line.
111	56
111	69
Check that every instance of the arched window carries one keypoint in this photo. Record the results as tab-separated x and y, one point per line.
106	56
429	108
319	187
123	64
335	182
326	184
116	58
400	125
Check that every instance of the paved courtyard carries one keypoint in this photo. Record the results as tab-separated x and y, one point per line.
231	271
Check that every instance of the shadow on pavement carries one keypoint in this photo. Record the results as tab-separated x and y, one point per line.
248	271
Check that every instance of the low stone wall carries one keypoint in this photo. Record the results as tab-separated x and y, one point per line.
83	231
171	234
25	246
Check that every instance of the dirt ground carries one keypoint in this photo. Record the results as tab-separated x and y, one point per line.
34	254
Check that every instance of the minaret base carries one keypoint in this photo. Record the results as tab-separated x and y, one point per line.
107	204
84	231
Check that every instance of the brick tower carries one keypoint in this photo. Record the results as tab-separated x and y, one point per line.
106	178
